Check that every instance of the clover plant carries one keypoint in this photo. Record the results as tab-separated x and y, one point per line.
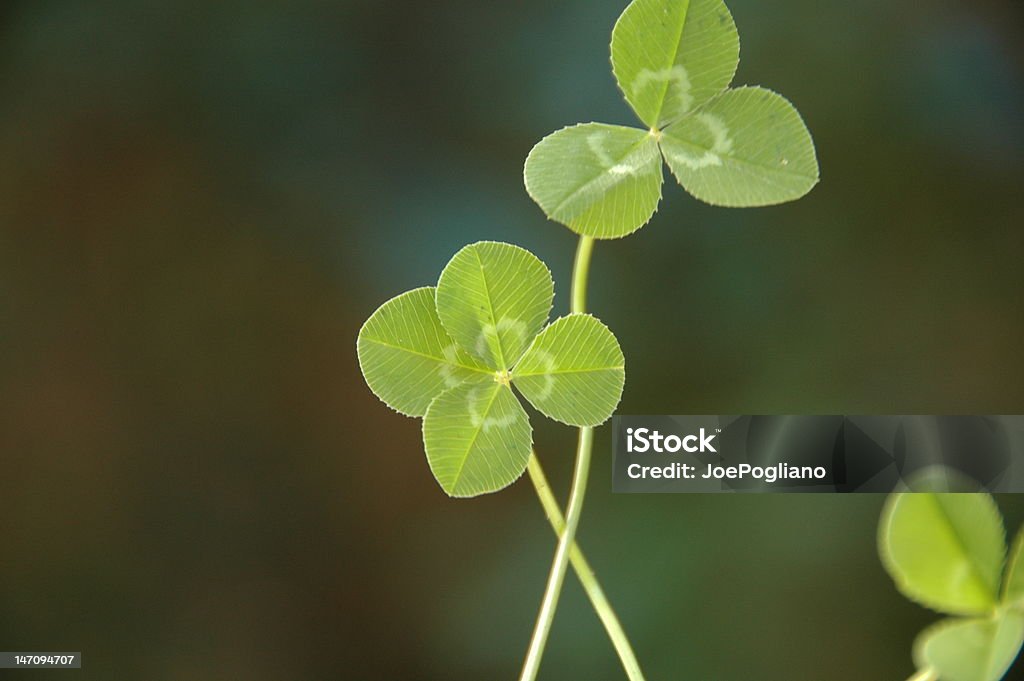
453	353
738	147
948	553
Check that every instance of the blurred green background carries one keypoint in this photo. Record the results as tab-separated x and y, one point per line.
200	202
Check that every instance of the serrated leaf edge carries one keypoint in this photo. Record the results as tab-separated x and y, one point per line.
359	358
902	585
618	82
512	374
816	178
547	270
423	437
530	192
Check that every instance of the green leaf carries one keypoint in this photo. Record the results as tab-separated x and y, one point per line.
478	438
408	358
573	372
599	180
493	299
945	551
971	650
746	147
1013	591
670	56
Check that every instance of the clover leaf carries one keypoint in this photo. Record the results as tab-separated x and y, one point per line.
673	61
1013	590
971	649
452	354
947	551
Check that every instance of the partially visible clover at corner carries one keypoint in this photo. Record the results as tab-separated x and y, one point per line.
948	553
451	355
736	147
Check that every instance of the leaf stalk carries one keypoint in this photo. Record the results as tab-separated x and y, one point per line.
560	564
586	575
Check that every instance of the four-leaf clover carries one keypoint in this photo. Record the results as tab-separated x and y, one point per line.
451	355
674	60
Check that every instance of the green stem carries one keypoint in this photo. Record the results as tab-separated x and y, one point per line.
556	578
581	273
585	573
925	675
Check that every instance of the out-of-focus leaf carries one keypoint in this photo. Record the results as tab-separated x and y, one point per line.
1013	591
971	650
945	551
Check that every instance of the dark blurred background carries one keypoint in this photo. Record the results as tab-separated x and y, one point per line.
200	202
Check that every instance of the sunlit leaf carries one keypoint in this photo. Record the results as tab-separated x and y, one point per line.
746	147
408	358
670	56
599	180
945	551
493	299
971	650
478	438
573	372
1013	592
